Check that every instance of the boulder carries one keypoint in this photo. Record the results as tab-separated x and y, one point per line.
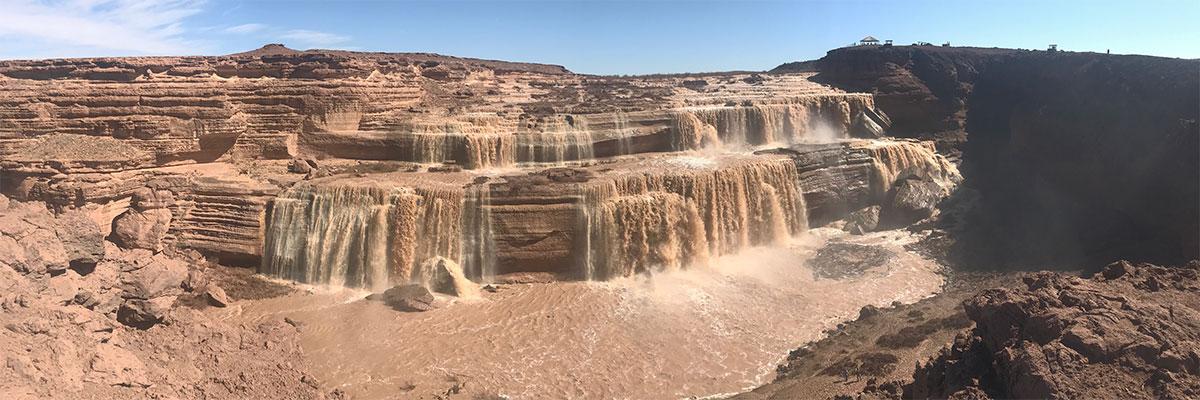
445	276
81	237
196	281
160	276
12	253
862	221
301	166
150	199
216	296
408	298
62	288
143	314
142	229
911	199
44	253
115	366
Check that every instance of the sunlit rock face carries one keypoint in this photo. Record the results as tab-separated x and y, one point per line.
635	215
473	113
498	167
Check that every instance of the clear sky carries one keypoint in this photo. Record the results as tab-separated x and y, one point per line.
602	37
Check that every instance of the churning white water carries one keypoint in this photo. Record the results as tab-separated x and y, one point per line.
672	334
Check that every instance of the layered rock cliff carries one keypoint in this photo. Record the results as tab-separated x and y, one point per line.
502	167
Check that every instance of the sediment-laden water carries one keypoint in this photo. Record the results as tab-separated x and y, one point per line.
694	332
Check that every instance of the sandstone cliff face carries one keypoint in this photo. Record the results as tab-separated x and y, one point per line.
1077	157
607	220
276	103
501	167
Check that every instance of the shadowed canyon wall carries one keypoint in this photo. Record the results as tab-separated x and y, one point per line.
1077	157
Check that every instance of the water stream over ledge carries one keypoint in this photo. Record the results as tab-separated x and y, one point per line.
675	334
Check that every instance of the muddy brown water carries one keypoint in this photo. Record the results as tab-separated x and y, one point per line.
699	332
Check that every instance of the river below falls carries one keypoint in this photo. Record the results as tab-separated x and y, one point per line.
703	332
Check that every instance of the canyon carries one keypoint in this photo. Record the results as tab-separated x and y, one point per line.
568	235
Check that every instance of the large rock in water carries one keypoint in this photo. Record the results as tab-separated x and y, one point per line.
870	124
445	276
911	199
408	298
862	221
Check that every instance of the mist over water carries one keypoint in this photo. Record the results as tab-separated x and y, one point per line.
671	334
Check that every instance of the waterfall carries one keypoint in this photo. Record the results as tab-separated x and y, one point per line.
674	217
487	151
430	147
569	139
891	159
761	124
649	232
359	236
479	258
624	141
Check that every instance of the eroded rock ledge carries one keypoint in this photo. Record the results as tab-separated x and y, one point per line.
1129	330
502	167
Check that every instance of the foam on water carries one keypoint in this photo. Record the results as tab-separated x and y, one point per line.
673	333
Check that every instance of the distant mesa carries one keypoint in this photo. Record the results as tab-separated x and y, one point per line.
269	49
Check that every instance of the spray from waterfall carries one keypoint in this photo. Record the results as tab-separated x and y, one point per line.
479	258
672	219
357	236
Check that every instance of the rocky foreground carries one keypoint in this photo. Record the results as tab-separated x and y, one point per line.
84	317
1128	332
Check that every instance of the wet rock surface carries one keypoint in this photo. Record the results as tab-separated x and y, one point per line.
911	199
863	221
839	260
408	298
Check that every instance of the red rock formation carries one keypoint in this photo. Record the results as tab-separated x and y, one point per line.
1129	331
216	134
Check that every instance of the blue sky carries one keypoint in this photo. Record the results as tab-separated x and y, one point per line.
603	37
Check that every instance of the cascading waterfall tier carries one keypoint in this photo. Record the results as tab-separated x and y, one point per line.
673	212
805	119
480	142
360	236
645	233
895	158
601	221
